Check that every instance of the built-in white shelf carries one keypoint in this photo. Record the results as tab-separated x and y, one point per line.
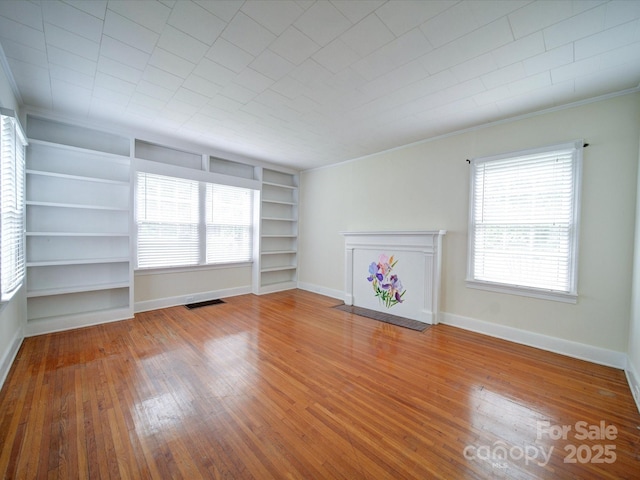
275	265
79	269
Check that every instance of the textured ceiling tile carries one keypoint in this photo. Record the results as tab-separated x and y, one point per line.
148	13
336	56
171	63
72	61
504	75
608	40
521	49
196	21
201	85
223	9
26	13
214	72
275	15
272	65
119	70
453	23
72	19
367	36
24	53
97	8
621	11
71	76
294	46
322	23
109	82
402	50
19	33
253	80
487	11
179	43
155	91
123	53
538	15
129	32
247	34
575	28
549	60
229	55
238	93
475	67
71	42
402	16
356	11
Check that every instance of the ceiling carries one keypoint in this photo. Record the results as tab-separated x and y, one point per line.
308	83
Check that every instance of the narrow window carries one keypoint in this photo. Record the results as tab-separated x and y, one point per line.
12	205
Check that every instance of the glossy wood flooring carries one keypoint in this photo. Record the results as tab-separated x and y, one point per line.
283	386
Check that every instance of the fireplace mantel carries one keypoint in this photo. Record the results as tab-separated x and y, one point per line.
395	272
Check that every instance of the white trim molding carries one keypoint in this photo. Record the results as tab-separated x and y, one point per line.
10	355
590	353
633	379
320	290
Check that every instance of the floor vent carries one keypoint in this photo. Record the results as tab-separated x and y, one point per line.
204	304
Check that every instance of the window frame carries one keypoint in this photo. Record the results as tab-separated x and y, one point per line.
569	296
203	177
18	162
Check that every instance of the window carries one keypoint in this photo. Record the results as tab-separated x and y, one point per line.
12	206
523	235
182	222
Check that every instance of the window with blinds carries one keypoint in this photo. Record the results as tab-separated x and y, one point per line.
228	222
12	205
524	222
183	222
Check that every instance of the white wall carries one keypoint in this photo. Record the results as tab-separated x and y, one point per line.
633	367
159	290
425	187
13	316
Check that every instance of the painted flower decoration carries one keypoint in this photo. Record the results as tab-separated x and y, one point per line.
388	288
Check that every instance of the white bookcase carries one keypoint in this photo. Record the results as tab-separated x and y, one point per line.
79	269
275	267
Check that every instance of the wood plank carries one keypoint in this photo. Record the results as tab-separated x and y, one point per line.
284	386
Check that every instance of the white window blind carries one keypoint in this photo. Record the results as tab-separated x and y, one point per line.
523	227
12	206
167	221
182	222
228	222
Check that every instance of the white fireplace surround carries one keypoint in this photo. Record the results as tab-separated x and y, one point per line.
417	257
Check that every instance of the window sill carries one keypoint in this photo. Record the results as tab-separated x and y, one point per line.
524	291
190	268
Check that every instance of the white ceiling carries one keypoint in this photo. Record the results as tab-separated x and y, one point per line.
307	83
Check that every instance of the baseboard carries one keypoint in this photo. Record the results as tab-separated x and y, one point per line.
601	356
634	382
192	298
327	292
10	355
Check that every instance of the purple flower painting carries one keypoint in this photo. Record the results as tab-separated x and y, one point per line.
387	287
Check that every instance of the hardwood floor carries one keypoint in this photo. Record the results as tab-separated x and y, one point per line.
283	386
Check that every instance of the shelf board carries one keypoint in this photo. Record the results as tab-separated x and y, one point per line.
75	205
281	235
280	185
279	252
83	261
279	202
68	176
276	219
76	289
75	234
278	269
